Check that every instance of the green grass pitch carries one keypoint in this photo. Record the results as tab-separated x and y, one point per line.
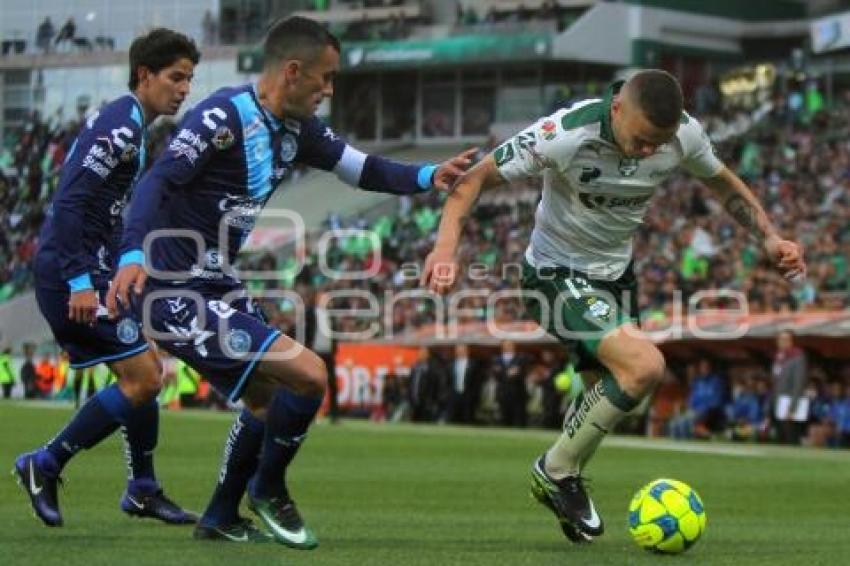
429	495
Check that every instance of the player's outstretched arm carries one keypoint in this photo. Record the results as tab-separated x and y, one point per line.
440	267
740	202
321	148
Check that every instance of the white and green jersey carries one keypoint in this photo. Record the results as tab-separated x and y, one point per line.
594	198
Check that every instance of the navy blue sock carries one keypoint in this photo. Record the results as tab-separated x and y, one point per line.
97	418
141	430
239	463
289	416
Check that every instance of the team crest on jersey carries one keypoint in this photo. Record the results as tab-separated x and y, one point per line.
288	148
239	341
547	130
223	138
628	166
127	331
129	153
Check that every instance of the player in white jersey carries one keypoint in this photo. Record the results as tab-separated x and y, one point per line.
600	161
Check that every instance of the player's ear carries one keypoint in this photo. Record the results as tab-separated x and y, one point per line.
616	104
143	73
292	70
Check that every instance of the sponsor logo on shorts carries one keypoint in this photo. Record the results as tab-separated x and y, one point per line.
599	309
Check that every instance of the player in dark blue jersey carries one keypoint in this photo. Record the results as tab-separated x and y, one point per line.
206	191
73	267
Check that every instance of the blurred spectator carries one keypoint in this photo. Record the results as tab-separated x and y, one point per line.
7	374
704	414
842	419
45	375
791	405
209	25
44	35
510	370
746	412
67	33
823	413
465	380
28	375
426	382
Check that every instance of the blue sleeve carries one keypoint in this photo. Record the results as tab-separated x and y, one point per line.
321	148
207	129
101	145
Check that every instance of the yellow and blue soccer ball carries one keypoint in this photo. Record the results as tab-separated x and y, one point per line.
666	516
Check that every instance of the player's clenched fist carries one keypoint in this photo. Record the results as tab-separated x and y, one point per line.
788	256
131	276
440	272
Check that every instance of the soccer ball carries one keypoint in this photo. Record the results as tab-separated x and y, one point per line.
666	516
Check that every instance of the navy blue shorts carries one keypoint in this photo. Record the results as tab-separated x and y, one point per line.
223	345
106	341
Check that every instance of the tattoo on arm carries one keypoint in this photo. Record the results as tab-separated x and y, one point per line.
745	214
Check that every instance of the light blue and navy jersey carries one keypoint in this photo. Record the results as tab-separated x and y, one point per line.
218	172
81	234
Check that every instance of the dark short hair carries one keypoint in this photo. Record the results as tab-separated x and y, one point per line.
158	49
659	95
296	38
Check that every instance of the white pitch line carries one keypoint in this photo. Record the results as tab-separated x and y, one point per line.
680	446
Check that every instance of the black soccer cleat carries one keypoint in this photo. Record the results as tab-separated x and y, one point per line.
156	506
243	530
40	487
569	501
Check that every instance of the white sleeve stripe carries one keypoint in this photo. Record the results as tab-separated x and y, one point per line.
350	165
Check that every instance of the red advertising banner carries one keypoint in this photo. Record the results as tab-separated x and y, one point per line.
361	371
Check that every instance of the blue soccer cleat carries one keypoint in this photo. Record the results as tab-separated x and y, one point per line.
156	506
41	488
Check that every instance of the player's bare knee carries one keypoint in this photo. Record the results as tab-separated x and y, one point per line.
140	384
644	370
315	378
141	389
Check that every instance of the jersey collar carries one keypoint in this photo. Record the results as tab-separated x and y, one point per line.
605	131
141	109
272	121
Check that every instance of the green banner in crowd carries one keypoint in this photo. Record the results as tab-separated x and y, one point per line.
446	51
